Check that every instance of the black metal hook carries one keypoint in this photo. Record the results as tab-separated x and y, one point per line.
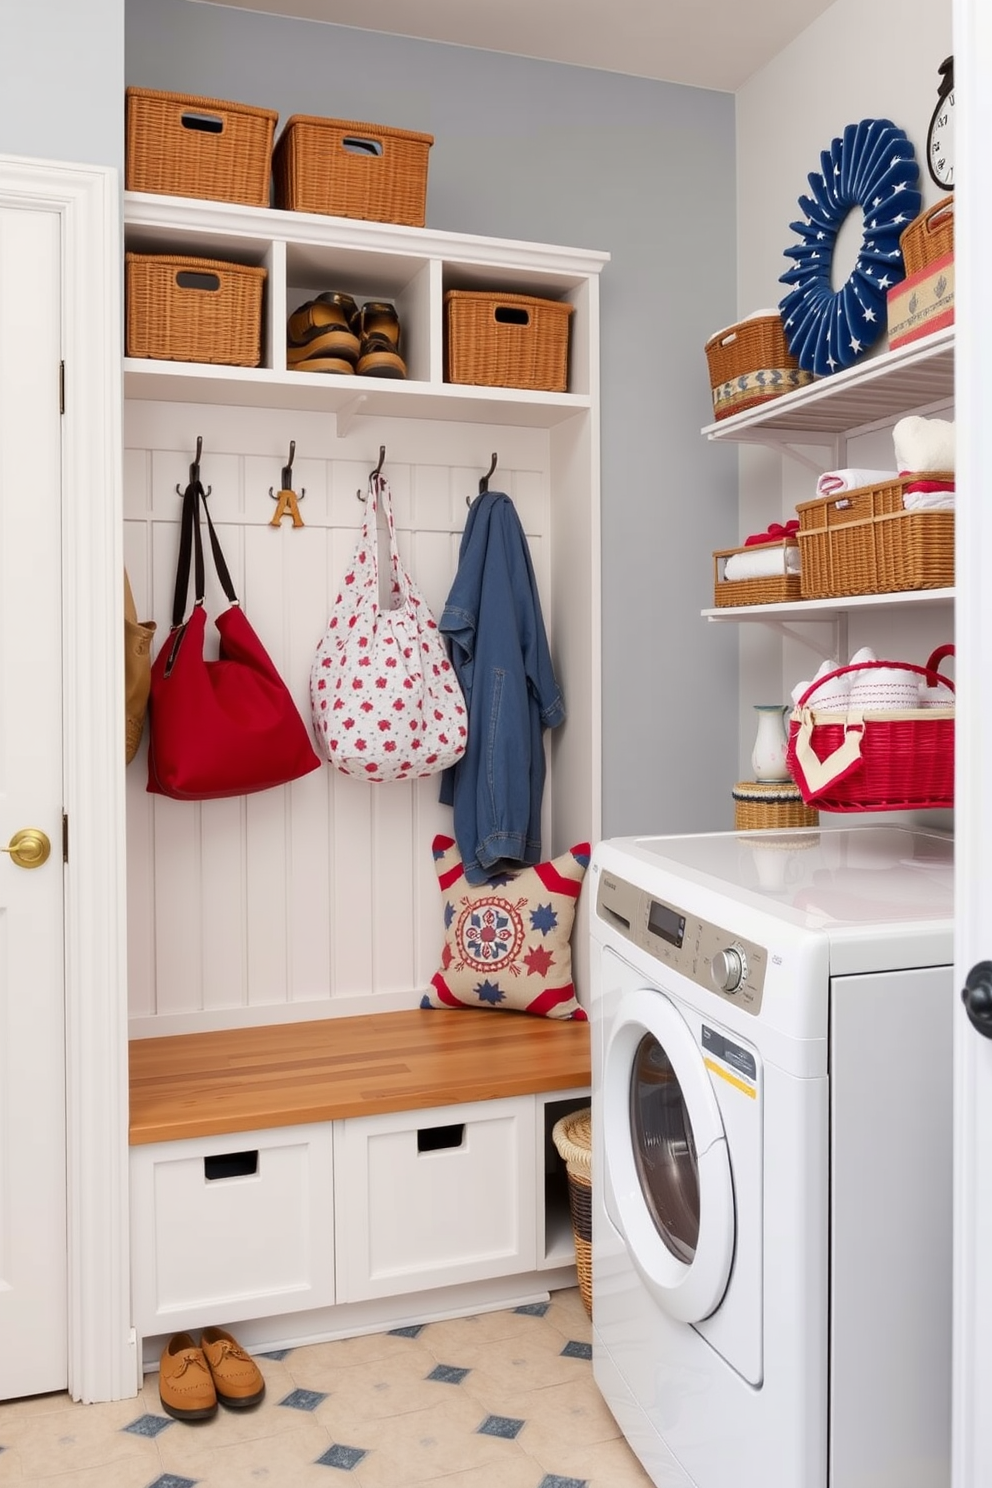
287	476
374	474
194	469
484	480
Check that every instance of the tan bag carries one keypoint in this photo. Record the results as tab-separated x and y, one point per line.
137	672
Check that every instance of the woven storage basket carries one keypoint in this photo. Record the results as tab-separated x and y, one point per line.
187	146
773	589
193	310
339	168
761	806
928	236
887	761
865	542
572	1136
749	363
506	340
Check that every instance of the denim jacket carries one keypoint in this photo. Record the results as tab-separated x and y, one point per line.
499	650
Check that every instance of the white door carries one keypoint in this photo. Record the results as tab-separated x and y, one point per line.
972	1420
33	1337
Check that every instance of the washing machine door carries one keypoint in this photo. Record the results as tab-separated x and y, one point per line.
669	1175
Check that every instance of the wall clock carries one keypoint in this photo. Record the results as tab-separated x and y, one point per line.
872	167
940	135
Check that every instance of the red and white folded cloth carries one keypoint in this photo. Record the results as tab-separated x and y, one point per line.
924	494
775	533
833	482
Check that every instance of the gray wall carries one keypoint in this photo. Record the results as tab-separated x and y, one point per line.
61	66
590	159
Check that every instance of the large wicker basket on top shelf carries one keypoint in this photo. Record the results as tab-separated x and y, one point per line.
340	168
184	145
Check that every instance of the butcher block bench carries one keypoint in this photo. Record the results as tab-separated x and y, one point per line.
347	1173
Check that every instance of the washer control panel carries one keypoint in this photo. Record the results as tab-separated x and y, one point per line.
727	965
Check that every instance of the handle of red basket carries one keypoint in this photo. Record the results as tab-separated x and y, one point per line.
903	666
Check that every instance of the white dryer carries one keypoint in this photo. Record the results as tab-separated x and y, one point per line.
771	1020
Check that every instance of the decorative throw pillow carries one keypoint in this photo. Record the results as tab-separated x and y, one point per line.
506	942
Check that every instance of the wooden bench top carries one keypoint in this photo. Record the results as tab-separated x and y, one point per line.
286	1074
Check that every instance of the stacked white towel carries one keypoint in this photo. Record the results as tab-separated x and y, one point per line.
924	444
852	478
762	563
874	689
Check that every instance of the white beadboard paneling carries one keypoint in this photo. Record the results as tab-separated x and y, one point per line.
320	895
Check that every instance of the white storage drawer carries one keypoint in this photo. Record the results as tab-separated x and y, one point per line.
432	1198
230	1227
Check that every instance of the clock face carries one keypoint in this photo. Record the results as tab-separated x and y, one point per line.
940	135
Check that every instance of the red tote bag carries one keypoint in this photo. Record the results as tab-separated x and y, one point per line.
226	727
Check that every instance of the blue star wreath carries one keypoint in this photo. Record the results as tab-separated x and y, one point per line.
873	166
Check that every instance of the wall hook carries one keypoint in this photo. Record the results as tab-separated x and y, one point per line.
484	481
374	474
194	469
287	497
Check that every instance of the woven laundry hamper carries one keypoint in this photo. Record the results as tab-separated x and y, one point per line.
572	1136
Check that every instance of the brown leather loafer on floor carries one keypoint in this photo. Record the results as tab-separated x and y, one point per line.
185	1384
237	1378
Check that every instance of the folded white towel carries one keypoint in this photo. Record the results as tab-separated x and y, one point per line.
924	443
936	697
851	479
833	697
762	563
928	500
882	689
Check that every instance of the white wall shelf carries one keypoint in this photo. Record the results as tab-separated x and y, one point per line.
828	609
916	377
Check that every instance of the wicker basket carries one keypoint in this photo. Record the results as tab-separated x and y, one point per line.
506	340
572	1136
773	589
887	761
928	236
749	363
187	146
338	168
193	310
865	542
761	806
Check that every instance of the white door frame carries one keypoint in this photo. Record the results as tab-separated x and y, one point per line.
102	1354
972	1430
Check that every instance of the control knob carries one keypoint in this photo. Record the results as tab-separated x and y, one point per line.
727	969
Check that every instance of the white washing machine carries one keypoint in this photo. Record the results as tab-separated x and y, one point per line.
771	1020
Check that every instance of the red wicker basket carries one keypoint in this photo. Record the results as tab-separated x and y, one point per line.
898	761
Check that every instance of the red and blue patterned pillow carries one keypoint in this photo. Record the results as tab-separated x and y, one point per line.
507	942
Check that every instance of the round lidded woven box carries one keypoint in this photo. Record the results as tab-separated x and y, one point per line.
765	805
572	1136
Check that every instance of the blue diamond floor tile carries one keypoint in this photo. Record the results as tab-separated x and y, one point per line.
552	1480
343	1457
533	1309
148	1425
172	1480
504	1426
276	1354
448	1374
575	1350
306	1400
413	1331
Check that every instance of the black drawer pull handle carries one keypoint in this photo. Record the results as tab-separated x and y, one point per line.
230	1165
190	279
440	1138
205	123
511	315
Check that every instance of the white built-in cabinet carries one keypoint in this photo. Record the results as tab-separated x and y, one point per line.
320	897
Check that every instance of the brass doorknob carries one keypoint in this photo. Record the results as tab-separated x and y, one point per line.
29	847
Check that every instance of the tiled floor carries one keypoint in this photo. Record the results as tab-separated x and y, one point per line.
501	1400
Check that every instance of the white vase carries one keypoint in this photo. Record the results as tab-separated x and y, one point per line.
768	754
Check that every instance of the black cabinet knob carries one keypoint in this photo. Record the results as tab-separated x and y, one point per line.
977	997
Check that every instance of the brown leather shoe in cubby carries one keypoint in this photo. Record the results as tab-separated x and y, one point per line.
185	1384
320	335
379	328
237	1378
